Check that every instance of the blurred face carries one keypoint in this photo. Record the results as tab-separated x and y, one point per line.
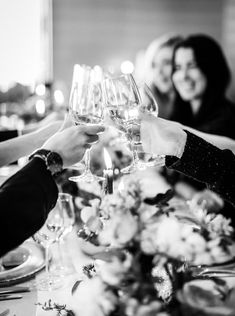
188	79
162	68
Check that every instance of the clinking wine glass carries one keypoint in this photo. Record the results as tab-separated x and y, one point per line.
86	108
124	103
46	236
122	99
149	104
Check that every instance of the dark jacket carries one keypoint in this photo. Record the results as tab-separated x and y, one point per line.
25	200
209	164
217	118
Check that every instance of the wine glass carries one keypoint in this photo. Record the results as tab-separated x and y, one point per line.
149	104
86	108
46	236
124	103
66	208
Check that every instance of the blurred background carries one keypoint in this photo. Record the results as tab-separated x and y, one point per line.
41	40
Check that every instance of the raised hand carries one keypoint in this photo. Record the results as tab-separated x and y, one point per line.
162	137
72	142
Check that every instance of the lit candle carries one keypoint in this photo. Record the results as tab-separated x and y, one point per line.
108	173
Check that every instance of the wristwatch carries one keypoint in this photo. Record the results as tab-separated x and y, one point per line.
53	161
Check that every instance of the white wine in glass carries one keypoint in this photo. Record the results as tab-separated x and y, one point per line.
123	101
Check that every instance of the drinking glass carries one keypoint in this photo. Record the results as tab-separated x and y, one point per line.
149	104
66	208
124	103
46	236
86	108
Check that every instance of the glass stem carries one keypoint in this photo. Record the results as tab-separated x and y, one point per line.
135	156
60	249
47	259
87	160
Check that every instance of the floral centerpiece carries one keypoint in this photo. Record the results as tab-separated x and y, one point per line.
148	250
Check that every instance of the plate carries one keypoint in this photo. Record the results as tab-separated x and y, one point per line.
31	257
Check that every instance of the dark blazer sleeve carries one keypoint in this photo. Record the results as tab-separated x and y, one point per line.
25	200
209	164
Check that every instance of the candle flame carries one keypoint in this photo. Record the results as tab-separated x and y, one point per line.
107	159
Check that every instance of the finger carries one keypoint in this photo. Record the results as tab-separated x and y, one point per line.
92	138
95	129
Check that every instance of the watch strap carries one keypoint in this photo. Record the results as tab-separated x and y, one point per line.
53	160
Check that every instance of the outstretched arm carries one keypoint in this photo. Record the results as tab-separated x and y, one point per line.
28	196
12	149
190	154
221	142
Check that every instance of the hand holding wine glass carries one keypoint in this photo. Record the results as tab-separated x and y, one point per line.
125	102
86	108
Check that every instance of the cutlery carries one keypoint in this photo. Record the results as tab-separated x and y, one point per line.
14	289
218	271
10	297
5	313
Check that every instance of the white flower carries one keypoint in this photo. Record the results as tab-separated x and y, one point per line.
90	211
92	298
114	272
220	226
197	242
119	230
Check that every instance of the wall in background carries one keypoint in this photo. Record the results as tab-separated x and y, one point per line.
20	42
106	32
228	35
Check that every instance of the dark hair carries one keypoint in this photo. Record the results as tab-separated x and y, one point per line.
211	61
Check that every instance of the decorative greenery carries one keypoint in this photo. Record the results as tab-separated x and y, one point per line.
60	309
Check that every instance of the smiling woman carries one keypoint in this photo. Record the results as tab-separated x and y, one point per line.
201	77
188	78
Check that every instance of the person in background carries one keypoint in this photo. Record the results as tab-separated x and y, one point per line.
157	70
191	155
201	77
27	197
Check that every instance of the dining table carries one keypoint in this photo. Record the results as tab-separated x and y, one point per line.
35	302
32	302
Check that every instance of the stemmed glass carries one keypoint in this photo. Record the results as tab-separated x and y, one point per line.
122	99
149	104
46	236
124	103
86	108
66	208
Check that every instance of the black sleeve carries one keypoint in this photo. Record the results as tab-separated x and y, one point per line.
5	135
25	200
209	164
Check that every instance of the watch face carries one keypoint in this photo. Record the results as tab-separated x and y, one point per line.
54	162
